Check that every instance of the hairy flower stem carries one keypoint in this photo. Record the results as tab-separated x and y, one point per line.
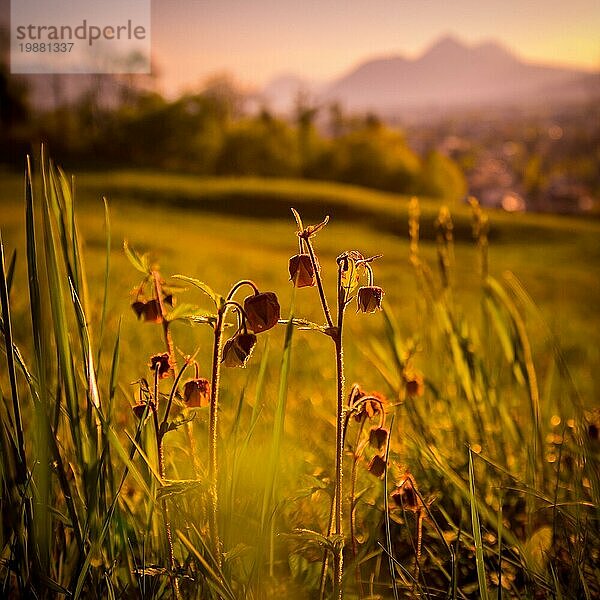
355	459
315	265
338	559
163	504
165	323
213	464
335	333
212	436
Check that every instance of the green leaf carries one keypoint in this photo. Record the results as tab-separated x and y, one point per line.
304	325
214	578
483	591
140	262
173	288
174	487
312	537
216	298
189	312
11	271
182	419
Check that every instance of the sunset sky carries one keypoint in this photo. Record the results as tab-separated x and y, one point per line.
255	40
320	39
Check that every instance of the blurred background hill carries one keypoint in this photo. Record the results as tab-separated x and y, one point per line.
459	116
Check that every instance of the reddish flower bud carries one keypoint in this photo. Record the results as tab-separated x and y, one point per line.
377	466
369	298
405	495
368	408
302	272
139	409
238	349
196	393
414	385
160	363
152	312
378	437
262	311
138	308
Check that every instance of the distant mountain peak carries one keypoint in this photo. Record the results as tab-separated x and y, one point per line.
449	73
445	43
492	49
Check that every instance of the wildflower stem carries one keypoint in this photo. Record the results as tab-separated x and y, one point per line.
165	323
161	472
239	284
171	396
212	434
315	265
355	459
339	437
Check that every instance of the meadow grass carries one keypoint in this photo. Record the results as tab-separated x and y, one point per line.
492	455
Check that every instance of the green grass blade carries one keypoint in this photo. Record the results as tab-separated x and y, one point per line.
278	424
483	591
215	581
106	280
11	271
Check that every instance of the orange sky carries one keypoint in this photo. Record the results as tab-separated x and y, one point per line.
254	40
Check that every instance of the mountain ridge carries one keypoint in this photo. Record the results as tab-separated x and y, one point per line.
448	74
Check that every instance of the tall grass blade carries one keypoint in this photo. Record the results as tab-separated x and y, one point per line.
483	590
278	428
386	509
11	271
106	280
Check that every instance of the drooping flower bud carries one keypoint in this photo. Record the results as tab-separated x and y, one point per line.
139	409
160	363
138	308
301	270
377	466
413	383
152	312
238	349
262	311
365	408
405	495
369	298
196	393
378	437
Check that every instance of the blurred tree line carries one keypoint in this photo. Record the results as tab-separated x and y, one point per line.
213	133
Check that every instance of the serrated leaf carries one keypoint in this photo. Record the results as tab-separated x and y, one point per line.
150	571
311	485
304	324
333	543
173	288
214	296
140	262
312	537
175	487
205	320
189	312
181	419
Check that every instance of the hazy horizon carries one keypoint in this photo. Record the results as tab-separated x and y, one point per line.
255	42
